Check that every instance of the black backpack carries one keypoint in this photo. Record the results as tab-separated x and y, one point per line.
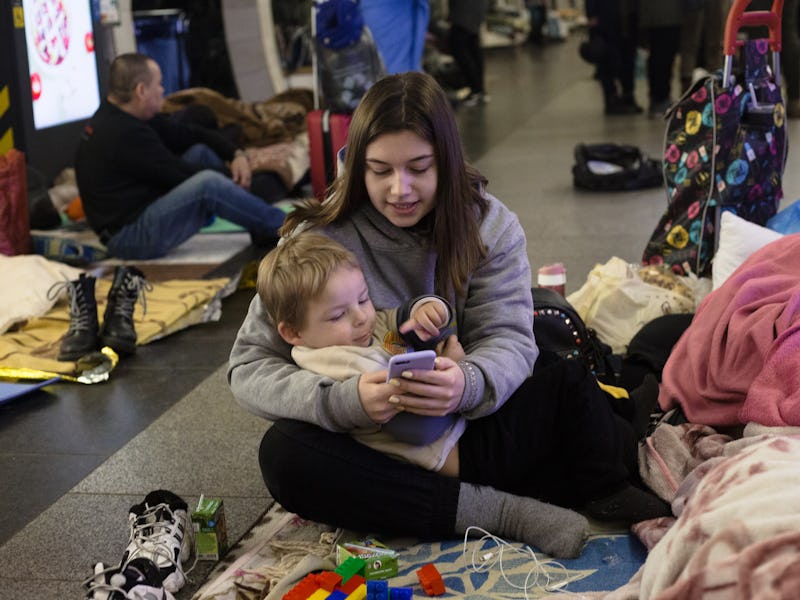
558	328
614	167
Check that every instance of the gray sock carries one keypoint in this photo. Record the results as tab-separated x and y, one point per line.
554	530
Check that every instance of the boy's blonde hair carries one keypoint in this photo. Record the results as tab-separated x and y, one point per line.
296	272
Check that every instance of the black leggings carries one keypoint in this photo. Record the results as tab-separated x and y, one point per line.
556	439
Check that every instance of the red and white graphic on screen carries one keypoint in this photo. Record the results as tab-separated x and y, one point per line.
36	86
51	32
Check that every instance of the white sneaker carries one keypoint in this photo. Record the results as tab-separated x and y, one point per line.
161	532
139	580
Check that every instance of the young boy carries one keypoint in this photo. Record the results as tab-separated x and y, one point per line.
315	295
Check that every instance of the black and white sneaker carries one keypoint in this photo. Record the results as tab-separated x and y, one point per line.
160	530
140	579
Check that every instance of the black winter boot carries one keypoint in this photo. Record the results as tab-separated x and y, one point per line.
81	337
118	331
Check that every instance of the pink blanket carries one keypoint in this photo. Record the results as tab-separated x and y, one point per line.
739	360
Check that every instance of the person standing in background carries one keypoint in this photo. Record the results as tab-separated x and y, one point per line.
399	30
466	17
660	27
613	23
701	39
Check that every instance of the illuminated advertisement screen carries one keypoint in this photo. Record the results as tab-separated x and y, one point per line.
61	60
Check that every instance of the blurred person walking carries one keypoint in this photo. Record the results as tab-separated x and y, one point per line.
660	26
612	33
701	39
466	18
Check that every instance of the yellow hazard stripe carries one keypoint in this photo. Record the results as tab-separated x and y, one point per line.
4	100
7	137
7	141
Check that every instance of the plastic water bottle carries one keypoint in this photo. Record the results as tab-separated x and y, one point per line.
554	277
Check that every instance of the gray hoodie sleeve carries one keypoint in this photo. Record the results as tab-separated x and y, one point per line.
266	382
496	318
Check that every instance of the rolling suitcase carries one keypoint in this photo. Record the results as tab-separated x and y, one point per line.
327	134
345	63
724	148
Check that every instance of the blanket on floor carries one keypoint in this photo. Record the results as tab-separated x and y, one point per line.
739	360
737	532
282	549
31	349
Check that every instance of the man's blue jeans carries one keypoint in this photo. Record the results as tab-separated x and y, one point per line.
183	211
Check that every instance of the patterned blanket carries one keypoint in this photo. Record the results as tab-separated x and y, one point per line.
282	548
737	534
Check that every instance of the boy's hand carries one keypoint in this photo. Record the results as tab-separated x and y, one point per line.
451	348
426	320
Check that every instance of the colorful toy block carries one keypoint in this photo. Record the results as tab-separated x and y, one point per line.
303	588
319	594
349	586
337	595
400	593
353	565
378	589
328	580
360	593
431	580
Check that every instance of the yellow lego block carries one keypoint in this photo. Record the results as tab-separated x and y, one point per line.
359	593
321	594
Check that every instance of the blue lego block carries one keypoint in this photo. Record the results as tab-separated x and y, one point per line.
377	589
400	593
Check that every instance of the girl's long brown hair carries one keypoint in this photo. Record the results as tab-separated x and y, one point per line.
413	102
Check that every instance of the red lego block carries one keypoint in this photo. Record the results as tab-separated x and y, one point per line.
303	588
431	580
328	580
349	586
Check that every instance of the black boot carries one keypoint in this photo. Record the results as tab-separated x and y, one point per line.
81	337
118	331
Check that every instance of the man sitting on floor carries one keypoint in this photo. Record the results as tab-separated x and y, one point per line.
145	180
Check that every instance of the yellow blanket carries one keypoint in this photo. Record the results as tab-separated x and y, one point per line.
30	351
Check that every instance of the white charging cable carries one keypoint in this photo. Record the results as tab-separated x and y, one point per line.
545	575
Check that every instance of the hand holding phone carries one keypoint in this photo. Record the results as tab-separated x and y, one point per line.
411	361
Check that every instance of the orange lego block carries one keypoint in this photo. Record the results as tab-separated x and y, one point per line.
431	580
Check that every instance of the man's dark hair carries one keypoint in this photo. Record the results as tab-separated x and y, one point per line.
128	71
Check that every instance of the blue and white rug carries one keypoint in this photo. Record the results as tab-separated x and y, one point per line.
488	570
282	548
